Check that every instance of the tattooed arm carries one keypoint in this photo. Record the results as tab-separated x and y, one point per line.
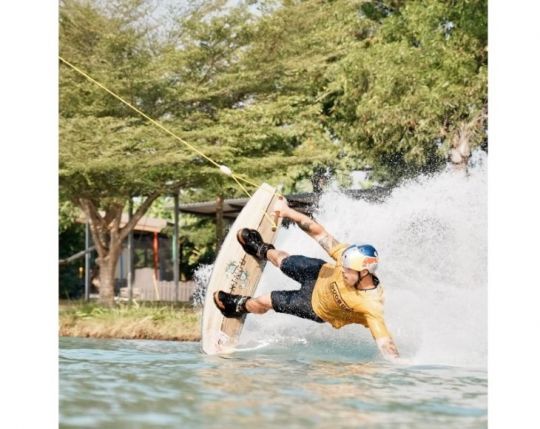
309	226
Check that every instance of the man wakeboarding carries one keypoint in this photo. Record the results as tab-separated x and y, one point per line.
342	293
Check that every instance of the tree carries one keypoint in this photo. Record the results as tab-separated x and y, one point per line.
390	84
107	153
243	100
413	86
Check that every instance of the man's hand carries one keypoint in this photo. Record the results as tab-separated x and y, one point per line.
388	349
281	207
309	226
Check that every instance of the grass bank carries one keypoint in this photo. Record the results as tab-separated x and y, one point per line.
154	321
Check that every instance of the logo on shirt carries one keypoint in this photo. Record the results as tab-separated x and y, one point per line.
337	297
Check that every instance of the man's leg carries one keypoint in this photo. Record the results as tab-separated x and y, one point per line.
252	243
276	256
299	268
295	302
259	305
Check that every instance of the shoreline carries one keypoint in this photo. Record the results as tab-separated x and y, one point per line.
81	332
148	321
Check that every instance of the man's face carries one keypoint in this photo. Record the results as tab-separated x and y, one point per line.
350	276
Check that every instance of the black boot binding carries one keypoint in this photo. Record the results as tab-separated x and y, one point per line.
253	244
235	305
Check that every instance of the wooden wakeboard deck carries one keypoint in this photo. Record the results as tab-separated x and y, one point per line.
236	272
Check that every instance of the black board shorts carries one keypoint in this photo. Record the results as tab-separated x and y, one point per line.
305	271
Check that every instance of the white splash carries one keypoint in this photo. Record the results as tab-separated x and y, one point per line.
431	235
202	278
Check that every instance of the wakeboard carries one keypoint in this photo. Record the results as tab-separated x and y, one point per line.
236	272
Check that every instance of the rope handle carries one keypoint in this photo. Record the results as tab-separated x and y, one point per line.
276	214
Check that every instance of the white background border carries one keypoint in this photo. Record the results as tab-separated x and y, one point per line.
29	178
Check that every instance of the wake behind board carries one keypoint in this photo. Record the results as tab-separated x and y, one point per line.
236	272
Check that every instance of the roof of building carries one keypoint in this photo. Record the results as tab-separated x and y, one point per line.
303	202
146	223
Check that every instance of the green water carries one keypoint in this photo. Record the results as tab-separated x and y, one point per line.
156	384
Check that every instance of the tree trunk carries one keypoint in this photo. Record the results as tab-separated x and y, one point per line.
460	143
106	283
108	237
107	271
460	150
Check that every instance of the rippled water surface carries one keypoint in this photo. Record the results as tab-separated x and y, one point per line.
153	384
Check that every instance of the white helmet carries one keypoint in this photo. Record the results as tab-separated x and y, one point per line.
360	257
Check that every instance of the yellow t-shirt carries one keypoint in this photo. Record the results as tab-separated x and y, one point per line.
336	302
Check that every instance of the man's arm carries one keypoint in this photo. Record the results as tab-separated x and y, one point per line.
388	348
382	337
309	226
389	351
